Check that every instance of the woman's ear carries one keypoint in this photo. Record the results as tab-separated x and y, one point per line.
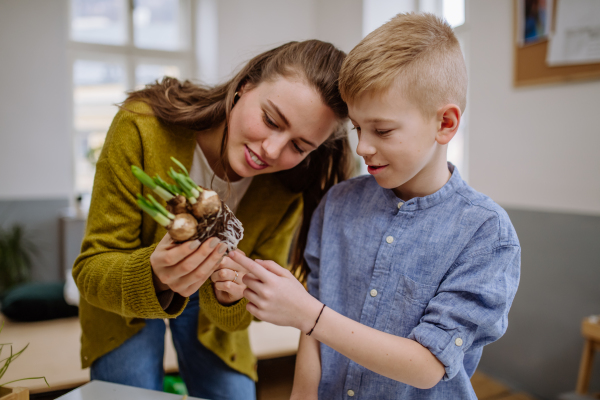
243	88
448	119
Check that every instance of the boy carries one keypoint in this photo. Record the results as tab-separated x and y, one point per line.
417	269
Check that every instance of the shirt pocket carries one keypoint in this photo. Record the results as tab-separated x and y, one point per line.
409	304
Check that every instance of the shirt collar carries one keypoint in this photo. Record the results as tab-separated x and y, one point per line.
421	203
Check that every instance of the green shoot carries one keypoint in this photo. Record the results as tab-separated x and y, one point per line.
185	186
187	183
160	208
149	183
171	188
163	193
155	214
186	177
194	185
180	165
143	177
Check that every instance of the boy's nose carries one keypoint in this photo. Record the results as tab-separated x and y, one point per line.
364	148
273	146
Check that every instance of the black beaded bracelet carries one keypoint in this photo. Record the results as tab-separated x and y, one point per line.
313	328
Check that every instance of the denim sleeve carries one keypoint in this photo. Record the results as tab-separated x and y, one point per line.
470	307
312	252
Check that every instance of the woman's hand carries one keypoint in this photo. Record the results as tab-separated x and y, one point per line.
276	296
227	280
184	267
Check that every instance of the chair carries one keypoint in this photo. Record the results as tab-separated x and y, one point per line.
590	330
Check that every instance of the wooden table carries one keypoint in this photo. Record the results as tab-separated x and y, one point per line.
54	348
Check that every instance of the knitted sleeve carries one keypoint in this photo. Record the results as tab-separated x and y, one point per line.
113	271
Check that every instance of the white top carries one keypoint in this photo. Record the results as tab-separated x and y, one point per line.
202	174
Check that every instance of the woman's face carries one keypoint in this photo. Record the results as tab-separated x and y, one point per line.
275	125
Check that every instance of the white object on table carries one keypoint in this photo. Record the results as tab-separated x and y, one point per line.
99	390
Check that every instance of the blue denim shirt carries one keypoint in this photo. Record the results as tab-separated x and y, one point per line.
442	270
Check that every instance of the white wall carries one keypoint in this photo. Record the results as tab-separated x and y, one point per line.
530	148
535	147
246	28
35	144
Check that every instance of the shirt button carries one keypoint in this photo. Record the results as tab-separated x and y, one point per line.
458	342
400	204
389	239
351	393
373	292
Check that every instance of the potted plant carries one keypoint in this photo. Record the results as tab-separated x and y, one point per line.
15	393
16	250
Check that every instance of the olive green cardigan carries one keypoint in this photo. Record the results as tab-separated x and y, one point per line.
113	271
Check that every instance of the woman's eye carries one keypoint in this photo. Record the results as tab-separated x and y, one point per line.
269	121
356	128
298	149
382	132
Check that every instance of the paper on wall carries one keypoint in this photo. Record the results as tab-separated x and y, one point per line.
576	36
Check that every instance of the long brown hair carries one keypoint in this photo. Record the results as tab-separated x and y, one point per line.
200	107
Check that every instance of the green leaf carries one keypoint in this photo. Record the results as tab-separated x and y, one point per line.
180	165
24	379
160	208
143	177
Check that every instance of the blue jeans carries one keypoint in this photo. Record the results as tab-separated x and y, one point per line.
139	361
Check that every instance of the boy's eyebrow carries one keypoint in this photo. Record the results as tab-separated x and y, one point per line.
374	120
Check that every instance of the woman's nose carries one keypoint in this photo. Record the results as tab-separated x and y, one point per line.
273	145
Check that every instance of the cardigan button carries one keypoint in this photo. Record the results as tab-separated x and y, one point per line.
233	357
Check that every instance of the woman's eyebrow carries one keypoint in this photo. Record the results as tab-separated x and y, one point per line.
278	111
287	123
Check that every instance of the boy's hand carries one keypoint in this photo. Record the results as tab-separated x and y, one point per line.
276	296
227	280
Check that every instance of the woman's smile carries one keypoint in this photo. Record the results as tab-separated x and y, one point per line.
253	159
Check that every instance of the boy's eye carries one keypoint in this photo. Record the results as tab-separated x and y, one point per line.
382	132
269	121
356	128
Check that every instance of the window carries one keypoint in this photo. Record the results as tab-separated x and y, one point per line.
378	12
117	46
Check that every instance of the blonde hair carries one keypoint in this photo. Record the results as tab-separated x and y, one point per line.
417	51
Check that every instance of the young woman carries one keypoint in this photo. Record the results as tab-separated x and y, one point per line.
271	142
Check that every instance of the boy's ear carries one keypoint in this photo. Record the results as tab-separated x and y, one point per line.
448	120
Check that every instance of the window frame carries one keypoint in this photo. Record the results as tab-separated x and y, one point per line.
130	57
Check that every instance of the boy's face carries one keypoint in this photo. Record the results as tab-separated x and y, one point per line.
399	145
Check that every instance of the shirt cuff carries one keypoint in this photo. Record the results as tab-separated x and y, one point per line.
447	347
